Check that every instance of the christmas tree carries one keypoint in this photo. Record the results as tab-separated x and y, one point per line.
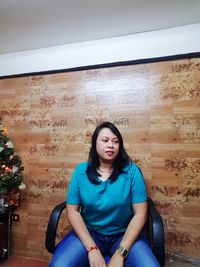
10	165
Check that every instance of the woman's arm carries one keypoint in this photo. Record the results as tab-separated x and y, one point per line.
133	230
78	224
135	226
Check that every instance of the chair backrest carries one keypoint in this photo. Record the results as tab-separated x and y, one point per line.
155	232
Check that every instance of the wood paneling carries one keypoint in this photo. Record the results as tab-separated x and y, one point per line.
50	119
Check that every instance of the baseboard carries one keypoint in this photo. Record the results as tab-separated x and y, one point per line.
174	256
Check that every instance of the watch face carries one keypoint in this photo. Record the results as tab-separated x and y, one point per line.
122	251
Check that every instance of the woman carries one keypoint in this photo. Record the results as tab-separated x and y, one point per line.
107	208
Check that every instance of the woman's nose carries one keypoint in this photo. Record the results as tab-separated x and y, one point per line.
110	144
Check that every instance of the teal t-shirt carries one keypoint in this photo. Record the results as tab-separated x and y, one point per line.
107	207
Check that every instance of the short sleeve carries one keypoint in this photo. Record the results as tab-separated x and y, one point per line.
73	195
138	189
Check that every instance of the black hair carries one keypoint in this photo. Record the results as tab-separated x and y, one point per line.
120	161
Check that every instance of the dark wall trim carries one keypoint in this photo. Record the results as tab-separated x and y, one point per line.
107	65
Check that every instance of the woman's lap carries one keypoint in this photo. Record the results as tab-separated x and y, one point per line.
72	253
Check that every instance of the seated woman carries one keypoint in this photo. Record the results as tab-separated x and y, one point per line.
107	208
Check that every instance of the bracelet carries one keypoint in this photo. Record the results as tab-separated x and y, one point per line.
92	248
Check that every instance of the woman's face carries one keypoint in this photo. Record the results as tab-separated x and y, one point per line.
107	145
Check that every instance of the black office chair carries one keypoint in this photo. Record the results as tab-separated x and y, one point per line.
154	226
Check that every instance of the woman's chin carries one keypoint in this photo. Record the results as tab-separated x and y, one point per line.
108	159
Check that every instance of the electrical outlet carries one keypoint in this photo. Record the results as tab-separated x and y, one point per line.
15	217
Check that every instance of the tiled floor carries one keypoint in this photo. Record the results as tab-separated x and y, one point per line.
13	261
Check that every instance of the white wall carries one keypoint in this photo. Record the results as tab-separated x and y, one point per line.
174	41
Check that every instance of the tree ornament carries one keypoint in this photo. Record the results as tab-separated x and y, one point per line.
7	169
22	186
9	144
13	169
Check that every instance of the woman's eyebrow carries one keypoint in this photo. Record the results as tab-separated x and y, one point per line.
104	136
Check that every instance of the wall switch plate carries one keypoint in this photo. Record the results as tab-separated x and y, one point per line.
15	217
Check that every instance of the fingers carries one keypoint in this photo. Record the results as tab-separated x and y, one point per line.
98	265
96	259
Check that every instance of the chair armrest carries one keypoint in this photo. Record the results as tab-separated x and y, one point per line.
157	232
52	227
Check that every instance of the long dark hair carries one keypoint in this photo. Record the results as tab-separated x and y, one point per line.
119	163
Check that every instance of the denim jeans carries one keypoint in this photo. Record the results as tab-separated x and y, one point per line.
71	252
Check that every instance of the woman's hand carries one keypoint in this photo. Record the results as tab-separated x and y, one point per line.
117	260
96	259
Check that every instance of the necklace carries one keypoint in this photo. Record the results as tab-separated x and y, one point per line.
107	172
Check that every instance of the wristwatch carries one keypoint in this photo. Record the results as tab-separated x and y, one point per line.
122	251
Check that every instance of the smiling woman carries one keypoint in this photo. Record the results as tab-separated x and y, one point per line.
107	148
109	190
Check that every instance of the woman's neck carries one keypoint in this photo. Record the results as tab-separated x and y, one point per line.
105	167
105	170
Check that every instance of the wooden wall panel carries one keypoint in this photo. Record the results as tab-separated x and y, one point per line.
50	119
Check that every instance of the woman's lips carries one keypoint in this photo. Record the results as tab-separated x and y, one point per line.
109	153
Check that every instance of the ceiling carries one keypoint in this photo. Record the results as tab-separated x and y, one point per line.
33	24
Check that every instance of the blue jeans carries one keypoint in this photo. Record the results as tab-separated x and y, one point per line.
71	252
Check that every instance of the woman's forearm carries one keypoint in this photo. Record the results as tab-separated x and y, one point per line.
94	255
135	225
80	228
134	228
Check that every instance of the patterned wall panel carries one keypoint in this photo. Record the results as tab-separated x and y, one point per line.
50	119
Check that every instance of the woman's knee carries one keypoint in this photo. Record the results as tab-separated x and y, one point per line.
77	259
69	261
70	253
141	255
